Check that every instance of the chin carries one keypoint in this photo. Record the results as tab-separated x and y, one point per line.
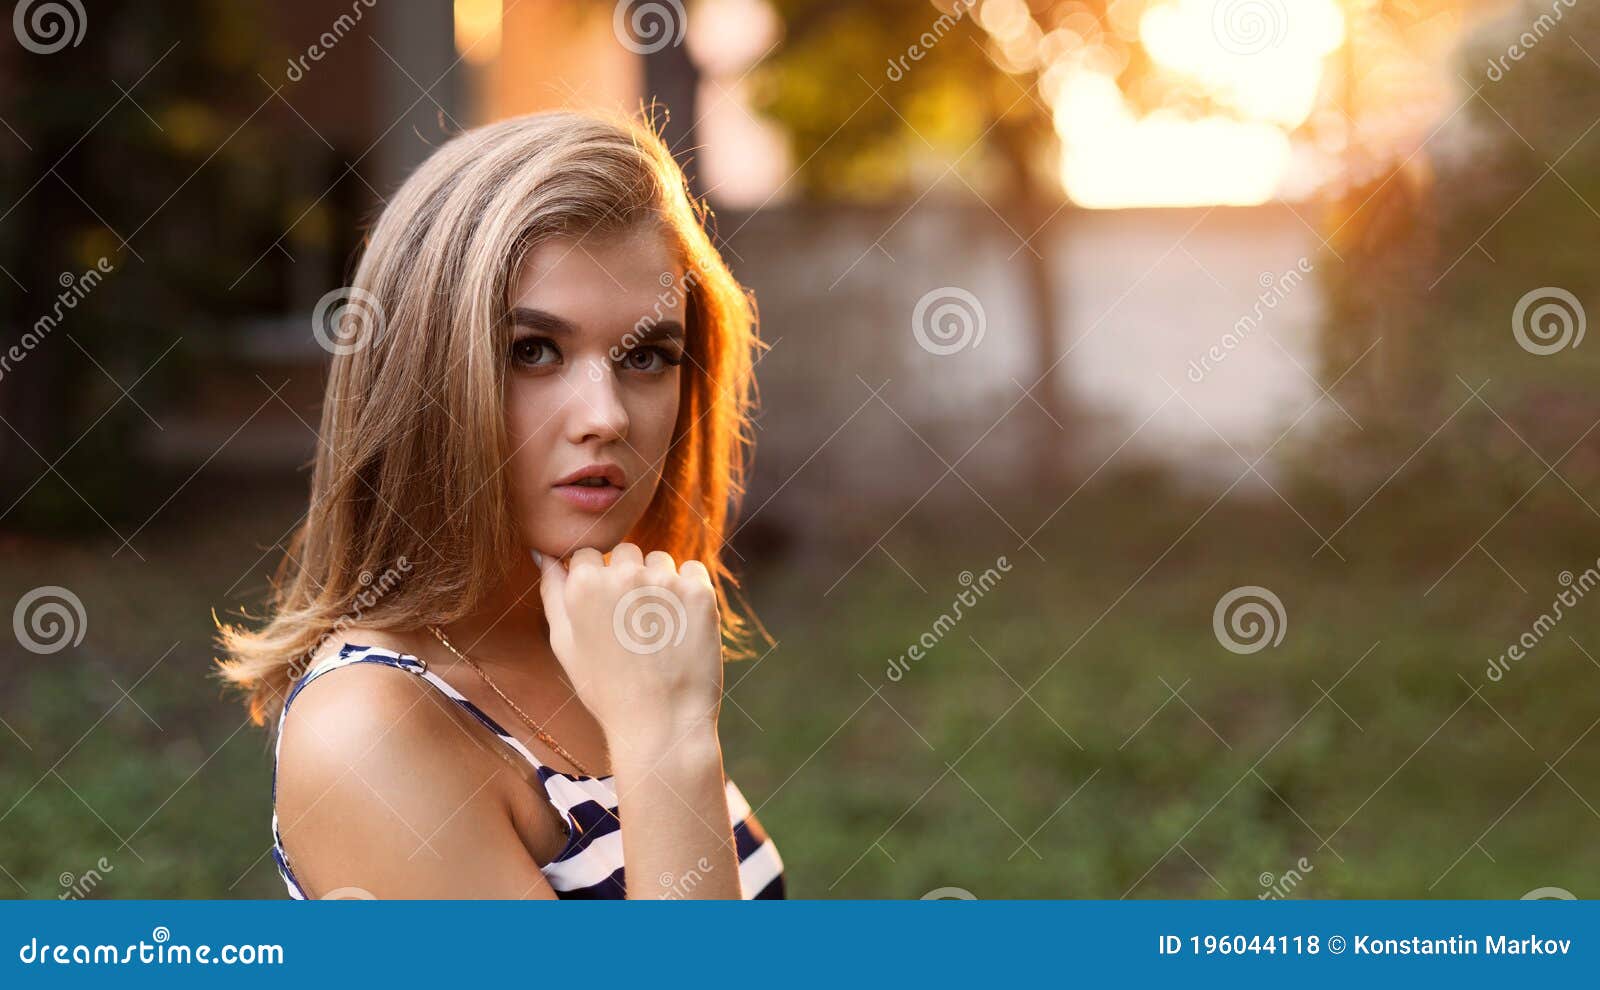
584	533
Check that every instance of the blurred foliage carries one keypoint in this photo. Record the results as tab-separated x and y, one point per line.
874	95
135	133
866	120
1433	258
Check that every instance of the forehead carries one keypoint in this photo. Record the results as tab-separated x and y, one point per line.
601	278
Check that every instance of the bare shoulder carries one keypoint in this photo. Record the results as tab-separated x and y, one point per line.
381	787
362	721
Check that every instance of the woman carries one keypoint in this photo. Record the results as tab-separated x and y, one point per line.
543	358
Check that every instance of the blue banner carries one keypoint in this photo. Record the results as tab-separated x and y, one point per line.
1316	943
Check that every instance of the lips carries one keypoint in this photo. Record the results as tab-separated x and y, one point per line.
593	488
611	474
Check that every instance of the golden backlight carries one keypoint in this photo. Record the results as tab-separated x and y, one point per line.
1259	61
478	27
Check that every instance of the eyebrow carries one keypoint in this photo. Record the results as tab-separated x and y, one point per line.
556	326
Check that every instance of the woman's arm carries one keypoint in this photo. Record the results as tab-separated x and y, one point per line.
641	640
683	847
381	789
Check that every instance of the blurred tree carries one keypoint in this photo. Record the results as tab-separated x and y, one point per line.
874	95
1437	253
124	155
955	86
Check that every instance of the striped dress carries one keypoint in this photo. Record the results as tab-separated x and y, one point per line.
590	865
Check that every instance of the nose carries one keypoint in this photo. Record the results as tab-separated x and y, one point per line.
596	410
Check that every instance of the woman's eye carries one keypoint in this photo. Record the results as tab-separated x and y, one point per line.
650	359
533	351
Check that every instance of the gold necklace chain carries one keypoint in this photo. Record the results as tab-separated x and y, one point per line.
538	730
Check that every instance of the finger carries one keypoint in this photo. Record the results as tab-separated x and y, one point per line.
585	557
627	553
696	571
660	560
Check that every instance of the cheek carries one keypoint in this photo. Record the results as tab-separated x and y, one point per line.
530	428
654	418
522	416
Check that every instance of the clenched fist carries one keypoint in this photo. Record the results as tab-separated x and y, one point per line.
641	640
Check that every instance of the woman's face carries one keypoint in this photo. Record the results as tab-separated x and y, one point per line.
592	378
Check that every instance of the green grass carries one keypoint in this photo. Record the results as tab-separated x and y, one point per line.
950	776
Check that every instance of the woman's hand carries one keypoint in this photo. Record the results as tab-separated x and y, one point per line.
641	640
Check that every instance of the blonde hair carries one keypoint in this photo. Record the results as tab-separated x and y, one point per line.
407	492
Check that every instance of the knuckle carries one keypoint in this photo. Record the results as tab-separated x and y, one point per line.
580	581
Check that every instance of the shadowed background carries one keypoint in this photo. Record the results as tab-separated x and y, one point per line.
1179	456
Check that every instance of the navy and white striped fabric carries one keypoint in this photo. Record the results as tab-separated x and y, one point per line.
590	866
